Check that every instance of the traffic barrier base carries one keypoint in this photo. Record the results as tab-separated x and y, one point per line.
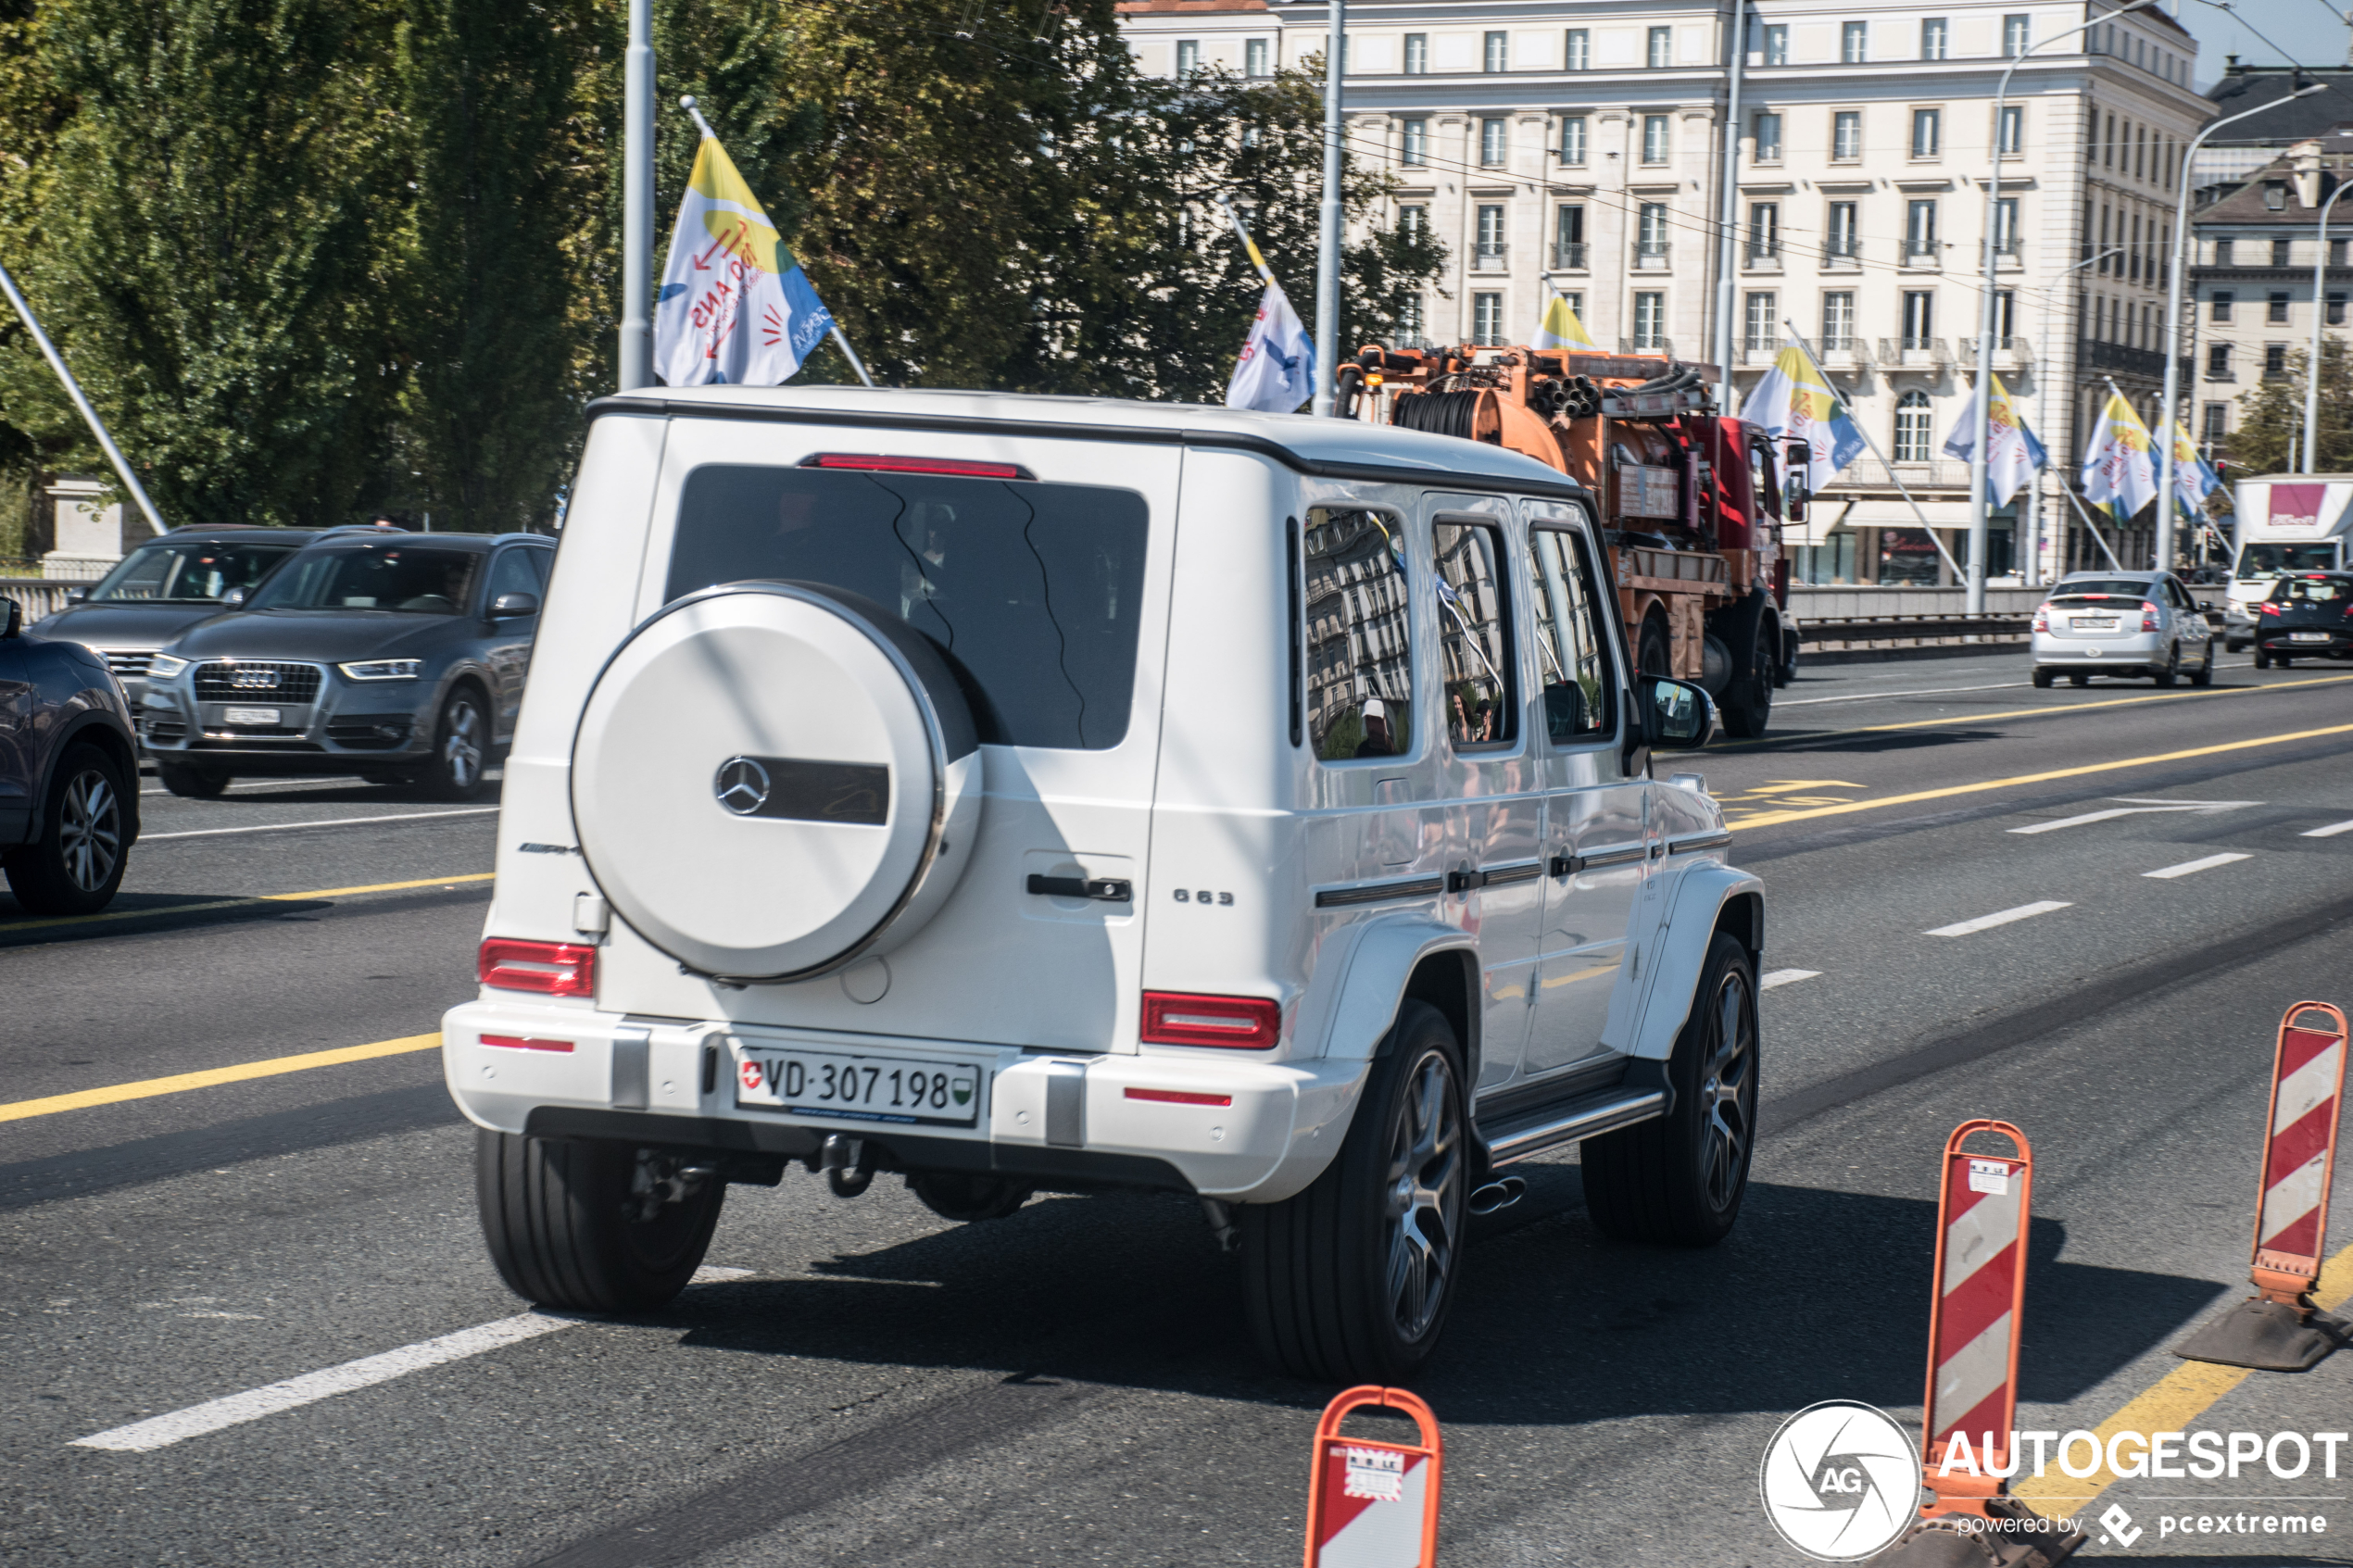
2279	1329
1374	1504
1953	1541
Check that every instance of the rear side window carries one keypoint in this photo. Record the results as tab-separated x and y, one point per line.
1031	590
1571	660
1481	701
1360	659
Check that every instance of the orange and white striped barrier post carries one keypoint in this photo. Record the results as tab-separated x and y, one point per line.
1372	1504
2278	1329
1967	1432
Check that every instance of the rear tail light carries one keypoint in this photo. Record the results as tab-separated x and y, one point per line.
2149	616
961	466
2268	608
1179	1097
552	969
1174	1018
2041	617
525	1043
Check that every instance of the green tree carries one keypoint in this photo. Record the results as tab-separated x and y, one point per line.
2272	413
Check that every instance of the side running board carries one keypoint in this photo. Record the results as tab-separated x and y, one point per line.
1532	1132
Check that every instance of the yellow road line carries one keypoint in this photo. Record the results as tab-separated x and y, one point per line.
2044	712
242	902
180	1082
2173	1403
1769	819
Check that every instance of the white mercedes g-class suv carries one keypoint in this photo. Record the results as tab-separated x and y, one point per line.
1025	792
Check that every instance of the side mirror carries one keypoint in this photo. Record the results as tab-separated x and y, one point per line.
1677	715
13	619
1800	466
507	606
233	600
77	596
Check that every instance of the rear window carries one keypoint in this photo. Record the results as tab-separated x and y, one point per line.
1030	590
2105	588
2314	590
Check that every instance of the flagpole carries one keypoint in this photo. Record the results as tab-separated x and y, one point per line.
1328	245
1242	232
90	415
1807	349
840	342
2097	539
637	347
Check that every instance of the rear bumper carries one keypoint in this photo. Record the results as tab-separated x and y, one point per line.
2337	646
2144	649
1064	1118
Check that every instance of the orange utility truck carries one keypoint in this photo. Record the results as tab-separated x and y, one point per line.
1690	501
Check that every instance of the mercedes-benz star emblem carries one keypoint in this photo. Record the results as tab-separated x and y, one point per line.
741	785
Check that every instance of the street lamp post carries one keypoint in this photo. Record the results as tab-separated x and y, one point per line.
1982	425
1328	248
2312	368
2164	434
2042	415
637	347
1727	239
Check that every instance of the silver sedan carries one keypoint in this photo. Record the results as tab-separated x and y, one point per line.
2122	624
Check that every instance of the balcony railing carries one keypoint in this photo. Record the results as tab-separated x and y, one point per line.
1650	254
1569	255
1922	253
1647	344
1764	253
2095	355
1843	249
1869	474
1916	351
1490	258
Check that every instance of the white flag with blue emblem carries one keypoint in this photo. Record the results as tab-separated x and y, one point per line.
734	306
1276	371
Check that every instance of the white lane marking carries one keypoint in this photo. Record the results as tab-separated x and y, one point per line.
333	781
1785	977
2329	831
2189	866
1877	697
2132	808
322	822
1987	922
234	1410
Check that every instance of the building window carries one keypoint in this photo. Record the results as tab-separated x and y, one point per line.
1650	321
1919	228
1410	324
2018	32
2217	426
1913	429
2275	195
2222	305
1769	138
2013	130
1491	142
1413	222
1919	318
1497	57
1655	133
1580	49
1487	319
2274	360
1416	143
1418	54
2280	252
1764	323
1846	239
1764	230
2276	311
1573	139
1838	321
2222	252
2335	307
1662	47
2004	315
1568	238
2218	361
1255	56
1777	45
2005	226
1650	232
1854	42
1928	132
1932	33
1188	57
1846	135
1490	255
2336	253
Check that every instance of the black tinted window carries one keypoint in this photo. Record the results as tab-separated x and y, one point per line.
1031	589
417	579
189	572
1360	665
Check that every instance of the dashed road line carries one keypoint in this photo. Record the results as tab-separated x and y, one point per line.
180	1082
322	822
1785	977
2190	868
2134	808
2329	831
1987	922
236	1409
1874	697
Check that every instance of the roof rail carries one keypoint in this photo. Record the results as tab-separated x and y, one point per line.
361	527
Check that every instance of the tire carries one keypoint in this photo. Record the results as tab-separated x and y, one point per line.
1339	1290
2281	661
2204	674
195	783
1679	1179
76	865
460	746
1653	654
566	1222
2078	680
2262	659
1748	698
2172	674
2043	680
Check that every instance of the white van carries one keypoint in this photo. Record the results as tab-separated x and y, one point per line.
1023	794
2287	523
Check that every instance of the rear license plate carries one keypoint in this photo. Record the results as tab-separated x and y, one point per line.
249	715
2307	636
2094	624
859	1089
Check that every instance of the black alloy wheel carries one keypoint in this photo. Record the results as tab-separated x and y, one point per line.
76	865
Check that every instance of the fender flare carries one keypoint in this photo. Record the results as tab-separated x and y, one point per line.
1353	999
1702	897
125	749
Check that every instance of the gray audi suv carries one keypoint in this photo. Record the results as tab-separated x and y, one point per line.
398	657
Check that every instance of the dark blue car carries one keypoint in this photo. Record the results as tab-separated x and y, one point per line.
68	772
398	657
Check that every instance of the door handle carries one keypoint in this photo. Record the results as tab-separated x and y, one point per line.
1111	890
1564	865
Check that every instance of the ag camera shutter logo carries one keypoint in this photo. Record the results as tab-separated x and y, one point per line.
1840	1481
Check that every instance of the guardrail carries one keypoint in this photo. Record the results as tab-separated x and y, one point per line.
1890	633
40	596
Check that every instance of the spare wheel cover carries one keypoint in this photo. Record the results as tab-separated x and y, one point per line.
771	779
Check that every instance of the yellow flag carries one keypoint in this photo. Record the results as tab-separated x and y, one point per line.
1560	328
